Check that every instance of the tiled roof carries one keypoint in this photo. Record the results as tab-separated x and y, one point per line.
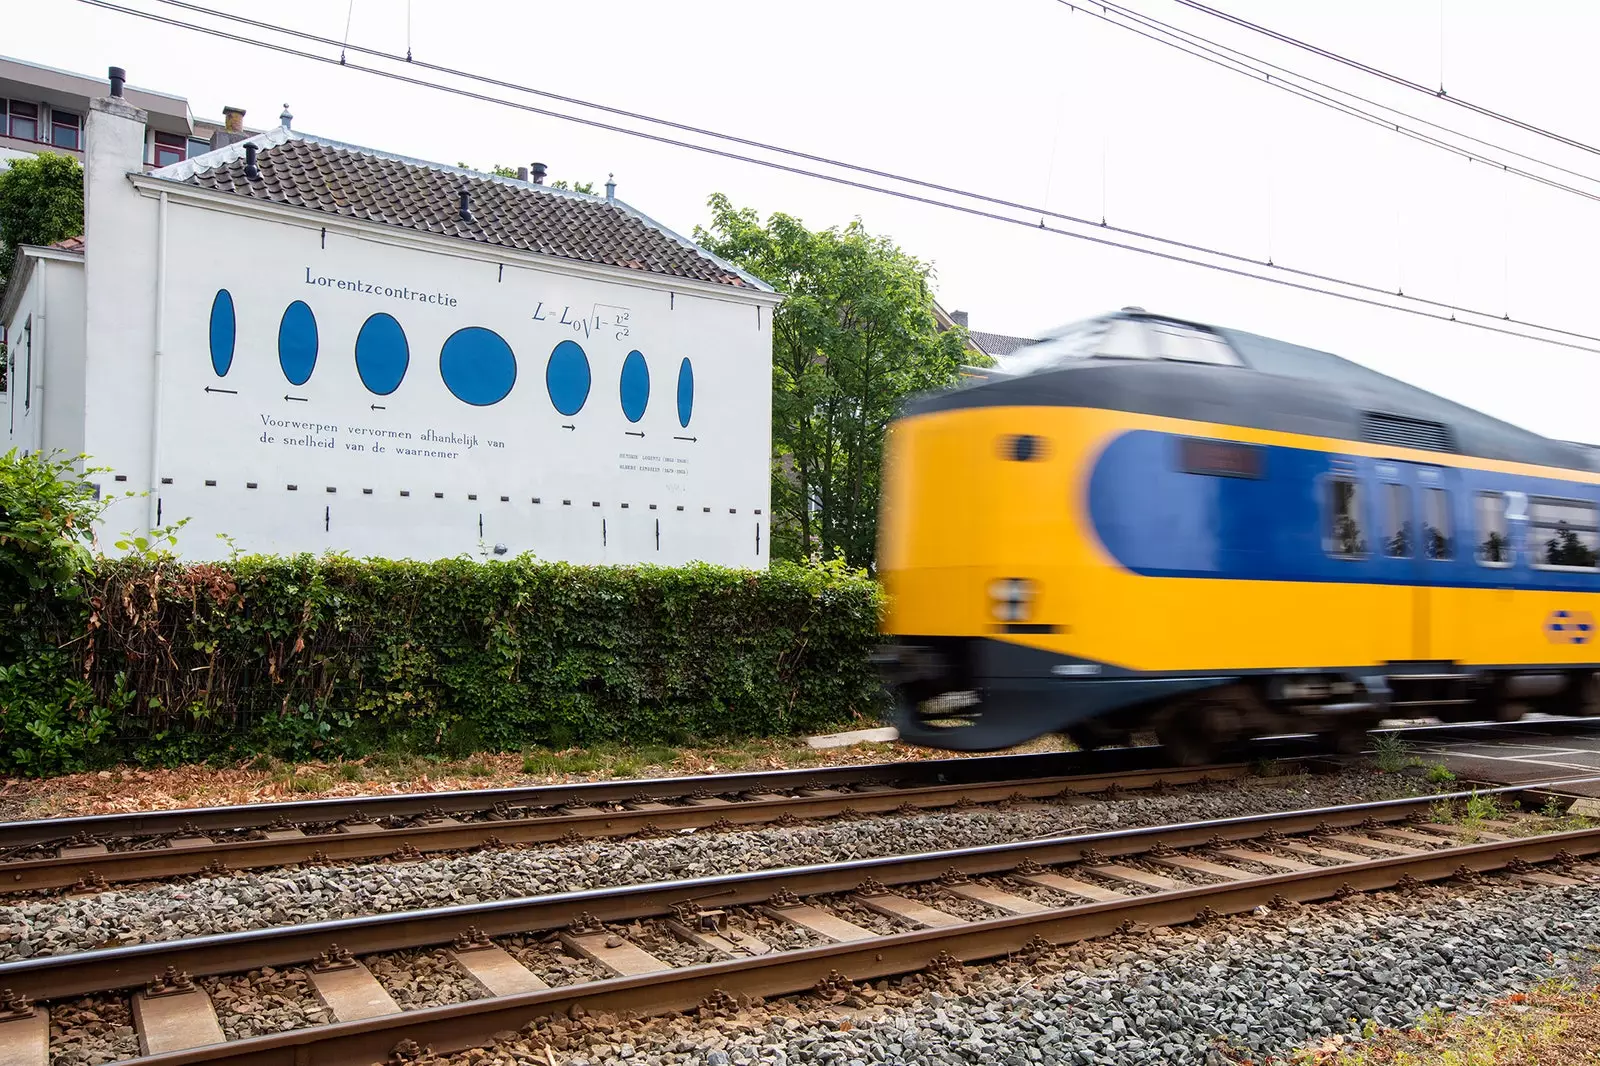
340	179
71	244
998	343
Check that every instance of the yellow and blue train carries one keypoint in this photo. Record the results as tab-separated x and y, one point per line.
1147	524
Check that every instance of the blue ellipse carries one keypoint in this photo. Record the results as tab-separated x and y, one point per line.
382	354
566	377
477	366
685	392
635	386
224	328
297	343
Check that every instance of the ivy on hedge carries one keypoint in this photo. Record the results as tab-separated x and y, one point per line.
159	660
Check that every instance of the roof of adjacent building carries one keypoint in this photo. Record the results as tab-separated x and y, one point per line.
299	170
71	244
998	344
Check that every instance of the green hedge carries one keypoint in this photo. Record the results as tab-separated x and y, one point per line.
160	661
333	656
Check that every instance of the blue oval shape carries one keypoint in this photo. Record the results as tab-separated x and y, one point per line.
685	392
477	366
297	343
382	354
224	328
635	385
566	377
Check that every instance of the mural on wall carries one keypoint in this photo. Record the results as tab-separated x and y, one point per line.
298	371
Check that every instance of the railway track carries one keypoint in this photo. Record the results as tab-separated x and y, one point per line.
559	814
90	852
663	947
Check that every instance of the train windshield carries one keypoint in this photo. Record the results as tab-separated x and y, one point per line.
1123	338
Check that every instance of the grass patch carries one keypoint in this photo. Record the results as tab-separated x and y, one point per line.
1554	1024
478	768
1391	754
1440	774
352	771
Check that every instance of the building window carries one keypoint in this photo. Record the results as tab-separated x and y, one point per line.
170	148
198	147
1564	533
1396	521
66	129
1344	537
22	120
1494	547
1436	524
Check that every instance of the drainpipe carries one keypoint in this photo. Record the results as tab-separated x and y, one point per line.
38	341
161	317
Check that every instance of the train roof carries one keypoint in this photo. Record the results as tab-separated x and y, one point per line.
1152	364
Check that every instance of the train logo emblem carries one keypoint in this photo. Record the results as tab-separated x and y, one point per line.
1569	627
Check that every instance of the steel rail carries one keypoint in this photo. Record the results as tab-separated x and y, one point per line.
288	847
476	1022
963	770
104	969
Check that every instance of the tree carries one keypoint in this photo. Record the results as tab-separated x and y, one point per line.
853	338
510	172
41	202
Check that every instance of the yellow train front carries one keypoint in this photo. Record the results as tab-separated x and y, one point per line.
1148	524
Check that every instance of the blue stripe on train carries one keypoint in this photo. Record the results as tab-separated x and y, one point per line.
1158	520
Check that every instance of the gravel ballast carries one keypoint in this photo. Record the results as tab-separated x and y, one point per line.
1233	990
48	925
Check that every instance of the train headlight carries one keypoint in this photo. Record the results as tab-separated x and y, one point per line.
1011	599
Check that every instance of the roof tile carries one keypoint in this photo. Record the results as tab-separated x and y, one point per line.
302	171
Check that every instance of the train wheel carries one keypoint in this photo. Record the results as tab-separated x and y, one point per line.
1185	734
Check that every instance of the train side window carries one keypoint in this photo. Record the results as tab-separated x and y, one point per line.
1494	545
1396	521
1436	543
1343	536
1185	345
1564	533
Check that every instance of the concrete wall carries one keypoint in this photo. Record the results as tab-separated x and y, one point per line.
48	316
379	397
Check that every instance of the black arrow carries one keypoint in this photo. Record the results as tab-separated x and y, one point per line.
634	432
570	427
377	407
297	399
686	438
230	392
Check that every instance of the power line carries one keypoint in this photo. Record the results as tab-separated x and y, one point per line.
1395	79
1446	312
1102	224
1268	73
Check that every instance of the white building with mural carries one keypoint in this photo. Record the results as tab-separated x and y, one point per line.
308	346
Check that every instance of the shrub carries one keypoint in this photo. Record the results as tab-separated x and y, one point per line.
163	661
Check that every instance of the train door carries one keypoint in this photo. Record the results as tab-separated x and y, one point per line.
1416	542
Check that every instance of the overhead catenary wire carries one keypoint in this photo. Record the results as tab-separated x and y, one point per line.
1282	78
191	5
1395	79
1362	294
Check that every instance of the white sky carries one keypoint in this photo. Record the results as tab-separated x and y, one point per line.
1022	99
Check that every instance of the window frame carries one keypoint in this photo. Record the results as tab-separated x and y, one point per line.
1535	558
76	126
157	147
12	117
1449	531
1392	489
1505	519
1359	485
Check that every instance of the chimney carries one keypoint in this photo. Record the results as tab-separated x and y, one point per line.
251	171
522	173
119	78
539	172
285	118
959	318
232	128
611	186
466	205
